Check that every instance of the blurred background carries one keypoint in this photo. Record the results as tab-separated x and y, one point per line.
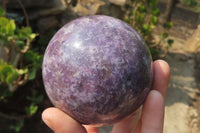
170	28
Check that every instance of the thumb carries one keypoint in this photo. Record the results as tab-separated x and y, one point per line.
61	122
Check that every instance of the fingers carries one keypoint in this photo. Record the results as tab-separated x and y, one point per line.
152	115
161	76
153	109
61	122
128	124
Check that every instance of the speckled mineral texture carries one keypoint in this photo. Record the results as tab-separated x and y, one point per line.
97	69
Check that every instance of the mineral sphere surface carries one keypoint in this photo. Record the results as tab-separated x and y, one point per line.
97	69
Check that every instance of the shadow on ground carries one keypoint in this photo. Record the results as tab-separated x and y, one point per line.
183	86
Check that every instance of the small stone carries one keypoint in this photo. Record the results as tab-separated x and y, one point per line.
97	69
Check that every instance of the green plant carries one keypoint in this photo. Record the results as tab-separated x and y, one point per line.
18	65
189	2
193	5
34	99
143	15
18	126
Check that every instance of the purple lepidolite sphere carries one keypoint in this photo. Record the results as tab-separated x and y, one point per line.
97	69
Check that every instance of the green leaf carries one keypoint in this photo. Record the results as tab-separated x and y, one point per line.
24	33
11	77
127	20
5	70
38	61
2	12
170	42
165	35
153	3
30	56
142	8
153	51
35	98
22	71
26	30
21	44
34	58
140	18
32	73
3	22
17	127
154	20
155	12
10	27
8	73
32	109
32	36
168	25
146	27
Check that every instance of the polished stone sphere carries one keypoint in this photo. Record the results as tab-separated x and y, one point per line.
97	69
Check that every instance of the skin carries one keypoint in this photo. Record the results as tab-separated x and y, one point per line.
152	116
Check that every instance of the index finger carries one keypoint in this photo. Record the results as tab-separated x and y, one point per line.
161	76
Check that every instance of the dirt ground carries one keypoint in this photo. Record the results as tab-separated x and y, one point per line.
181	112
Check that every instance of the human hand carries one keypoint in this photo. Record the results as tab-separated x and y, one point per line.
151	120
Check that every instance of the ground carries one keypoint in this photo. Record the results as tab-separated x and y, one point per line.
182	103
181	114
